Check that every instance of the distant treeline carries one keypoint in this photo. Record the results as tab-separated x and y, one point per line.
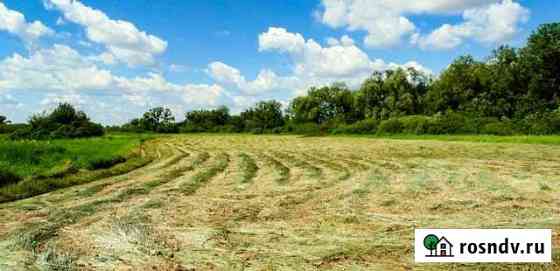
63	122
514	91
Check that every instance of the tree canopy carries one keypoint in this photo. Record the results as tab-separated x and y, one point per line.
63	122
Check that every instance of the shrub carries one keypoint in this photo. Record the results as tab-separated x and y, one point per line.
63	122
475	125
450	123
390	126
415	124
307	128
10	128
103	163
276	130
498	128
367	126
539	124
8	177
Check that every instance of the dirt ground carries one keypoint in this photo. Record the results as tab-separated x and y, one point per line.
239	202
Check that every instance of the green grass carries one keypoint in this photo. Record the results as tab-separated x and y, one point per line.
39	158
248	168
49	165
198	180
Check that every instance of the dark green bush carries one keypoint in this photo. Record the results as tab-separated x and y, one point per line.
503	128
63	122
308	128
390	126
539	124
10	128
367	126
415	124
449	123
8	177
475	125
103	163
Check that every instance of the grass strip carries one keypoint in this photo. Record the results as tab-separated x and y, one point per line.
248	168
198	180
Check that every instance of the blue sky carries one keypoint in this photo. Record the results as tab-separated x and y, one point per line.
115	59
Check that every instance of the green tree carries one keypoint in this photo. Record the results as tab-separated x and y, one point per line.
392	94
264	115
460	84
324	104
63	122
4	120
540	61
430	243
207	120
158	119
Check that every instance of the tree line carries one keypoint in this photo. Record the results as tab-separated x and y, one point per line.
513	91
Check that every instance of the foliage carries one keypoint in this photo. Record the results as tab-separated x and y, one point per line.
8	177
3	123
323	105
3	120
390	126
63	122
157	120
263	116
513	91
367	126
203	120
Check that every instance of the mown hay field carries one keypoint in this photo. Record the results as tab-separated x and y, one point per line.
239	202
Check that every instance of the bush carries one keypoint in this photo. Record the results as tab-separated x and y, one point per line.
475	125
390	126
539	124
10	128
450	123
63	122
415	124
276	130
498	128
8	177
301	128
367	126
103	163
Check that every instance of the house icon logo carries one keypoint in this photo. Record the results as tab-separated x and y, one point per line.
438	247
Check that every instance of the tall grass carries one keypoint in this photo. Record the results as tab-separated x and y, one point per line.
44	166
35	158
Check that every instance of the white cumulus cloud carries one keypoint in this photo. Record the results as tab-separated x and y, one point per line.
387	22
62	74
121	38
14	22
496	23
312	65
